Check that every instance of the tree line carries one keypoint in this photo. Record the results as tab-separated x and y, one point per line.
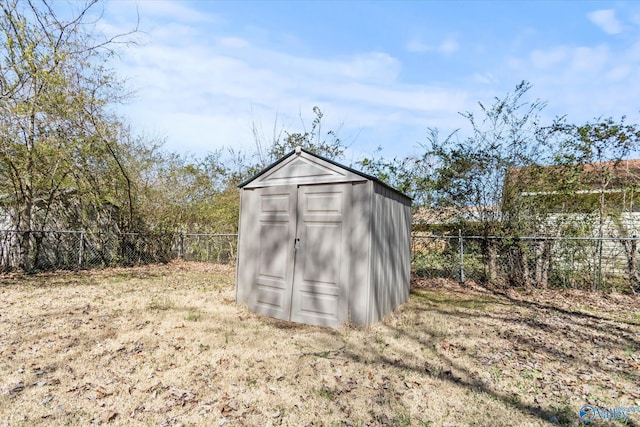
67	161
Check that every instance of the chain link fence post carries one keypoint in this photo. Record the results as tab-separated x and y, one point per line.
599	272
181	246
81	250
461	250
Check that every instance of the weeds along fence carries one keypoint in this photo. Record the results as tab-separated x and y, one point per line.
595	263
69	250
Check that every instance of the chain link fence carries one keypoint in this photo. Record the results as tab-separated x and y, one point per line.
579	263
218	248
70	250
562	262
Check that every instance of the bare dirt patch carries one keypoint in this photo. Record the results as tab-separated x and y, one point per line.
166	345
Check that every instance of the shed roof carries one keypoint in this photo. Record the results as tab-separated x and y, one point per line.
351	174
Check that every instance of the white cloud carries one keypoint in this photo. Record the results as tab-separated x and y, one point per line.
367	67
416	45
202	86
175	11
204	90
447	46
589	59
633	53
619	73
545	59
233	42
484	78
606	20
514	62
583	82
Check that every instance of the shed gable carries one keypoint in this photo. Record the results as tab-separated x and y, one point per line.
303	168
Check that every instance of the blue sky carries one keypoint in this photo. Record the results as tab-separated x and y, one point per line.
382	72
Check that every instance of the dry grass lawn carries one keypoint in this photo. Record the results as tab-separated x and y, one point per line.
166	345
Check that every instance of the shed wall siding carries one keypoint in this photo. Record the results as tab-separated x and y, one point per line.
248	229
360	253
390	251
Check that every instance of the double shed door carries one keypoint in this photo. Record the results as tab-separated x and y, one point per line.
303	267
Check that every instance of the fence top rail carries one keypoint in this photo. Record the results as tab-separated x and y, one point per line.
539	238
416	236
43	231
210	234
151	233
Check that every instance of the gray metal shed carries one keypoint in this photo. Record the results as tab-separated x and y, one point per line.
321	243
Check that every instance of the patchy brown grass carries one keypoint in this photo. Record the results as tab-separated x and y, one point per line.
166	345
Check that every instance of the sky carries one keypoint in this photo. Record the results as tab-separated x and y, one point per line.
206	73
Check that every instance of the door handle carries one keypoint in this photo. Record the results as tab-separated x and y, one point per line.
295	243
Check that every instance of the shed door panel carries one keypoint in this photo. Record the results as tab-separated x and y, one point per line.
274	273
321	268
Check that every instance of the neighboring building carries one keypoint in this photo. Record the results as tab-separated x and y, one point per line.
603	196
562	223
432	219
596	202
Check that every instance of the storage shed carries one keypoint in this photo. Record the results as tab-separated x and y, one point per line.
321	243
